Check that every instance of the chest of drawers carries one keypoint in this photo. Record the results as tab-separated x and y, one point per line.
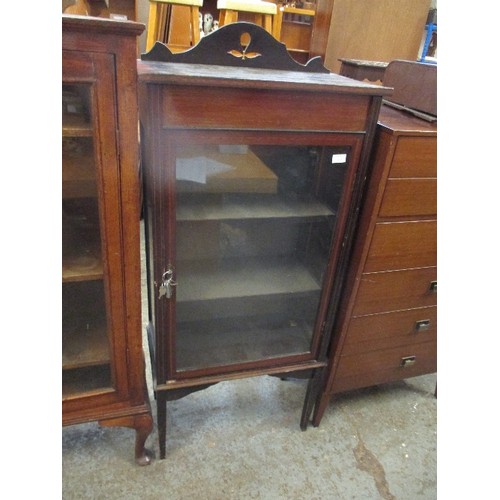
386	327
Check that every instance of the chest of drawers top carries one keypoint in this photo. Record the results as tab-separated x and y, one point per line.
399	122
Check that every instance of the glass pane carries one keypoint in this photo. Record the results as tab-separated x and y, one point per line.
254	228
85	345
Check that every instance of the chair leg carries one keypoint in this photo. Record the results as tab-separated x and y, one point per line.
277	22
227	17
233	16
153	23
195	32
222	17
268	25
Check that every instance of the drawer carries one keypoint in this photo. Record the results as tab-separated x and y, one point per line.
402	245
396	290
409	197
415	157
387	365
389	330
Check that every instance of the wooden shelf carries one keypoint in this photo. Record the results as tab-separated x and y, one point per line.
202	281
78	171
84	267
299	12
225	342
250	208
76	125
81	249
85	380
83	348
85	340
298	51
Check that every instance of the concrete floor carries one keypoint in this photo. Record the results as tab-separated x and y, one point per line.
241	440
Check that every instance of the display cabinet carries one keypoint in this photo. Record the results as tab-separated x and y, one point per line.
252	181
103	375
386	329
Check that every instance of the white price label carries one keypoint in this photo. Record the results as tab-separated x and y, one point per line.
339	158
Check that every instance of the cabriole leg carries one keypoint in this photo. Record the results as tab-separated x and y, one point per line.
143	425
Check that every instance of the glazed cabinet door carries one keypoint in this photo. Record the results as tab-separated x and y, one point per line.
94	359
250	251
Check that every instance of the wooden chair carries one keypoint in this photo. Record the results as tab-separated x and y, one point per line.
159	11
293	11
264	12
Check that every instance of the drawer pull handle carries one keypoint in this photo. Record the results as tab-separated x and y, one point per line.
434	287
422	325
408	361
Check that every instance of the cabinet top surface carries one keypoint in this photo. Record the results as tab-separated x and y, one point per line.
225	76
396	121
88	24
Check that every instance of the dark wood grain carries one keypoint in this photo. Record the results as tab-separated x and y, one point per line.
415	85
187	105
224	47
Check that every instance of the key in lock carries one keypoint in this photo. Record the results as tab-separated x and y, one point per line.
167	284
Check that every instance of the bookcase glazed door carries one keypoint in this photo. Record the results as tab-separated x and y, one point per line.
251	264
88	289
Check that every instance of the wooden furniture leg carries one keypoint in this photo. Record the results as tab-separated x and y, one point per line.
320	407
161	411
195	21
268	23
312	393
153	25
143	425
278	21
